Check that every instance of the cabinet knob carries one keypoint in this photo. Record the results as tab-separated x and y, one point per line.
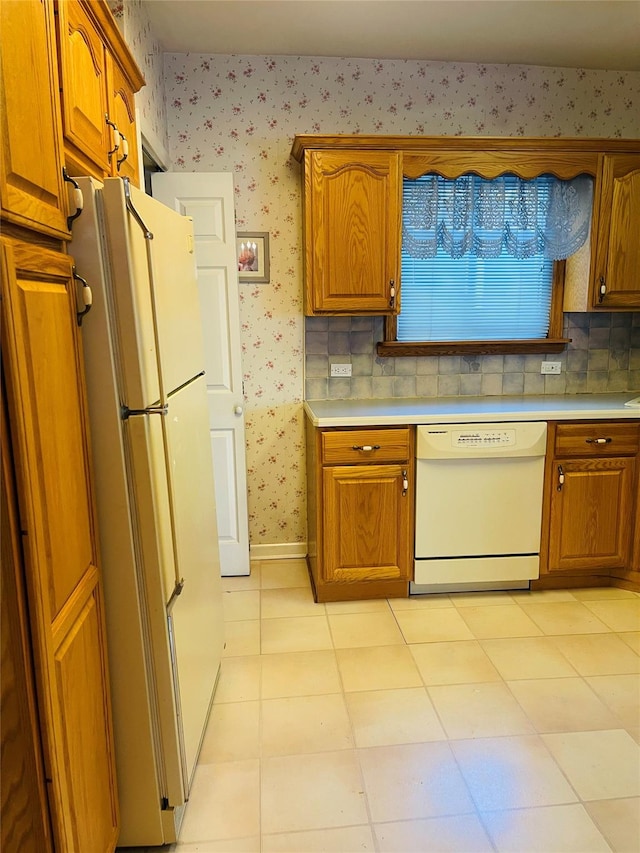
237	410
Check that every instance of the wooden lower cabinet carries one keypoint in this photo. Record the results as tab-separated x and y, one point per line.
360	508
55	519
591	501
24	823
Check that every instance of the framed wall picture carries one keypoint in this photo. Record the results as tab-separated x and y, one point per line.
252	251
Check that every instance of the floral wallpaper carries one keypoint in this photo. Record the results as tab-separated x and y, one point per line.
135	27
240	114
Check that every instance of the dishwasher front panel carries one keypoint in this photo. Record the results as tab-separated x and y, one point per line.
478	507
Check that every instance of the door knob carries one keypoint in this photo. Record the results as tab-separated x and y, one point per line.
237	410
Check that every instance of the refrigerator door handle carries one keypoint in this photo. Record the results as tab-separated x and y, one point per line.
126	412
127	195
176	592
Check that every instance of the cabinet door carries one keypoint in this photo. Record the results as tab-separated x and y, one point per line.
25	824
31	184
616	282
123	112
352	232
88	137
367	523
592	504
47	419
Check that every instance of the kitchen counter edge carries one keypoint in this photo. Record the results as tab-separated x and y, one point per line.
435	410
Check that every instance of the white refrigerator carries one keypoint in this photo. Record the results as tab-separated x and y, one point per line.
155	495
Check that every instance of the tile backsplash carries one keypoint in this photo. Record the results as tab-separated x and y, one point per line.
603	356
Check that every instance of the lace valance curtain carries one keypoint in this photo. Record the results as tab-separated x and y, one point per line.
471	215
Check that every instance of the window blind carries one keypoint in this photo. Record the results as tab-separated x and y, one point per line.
474	299
477	254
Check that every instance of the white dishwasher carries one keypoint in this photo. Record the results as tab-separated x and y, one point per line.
478	505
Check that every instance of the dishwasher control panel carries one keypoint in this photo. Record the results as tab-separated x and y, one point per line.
478	440
483	438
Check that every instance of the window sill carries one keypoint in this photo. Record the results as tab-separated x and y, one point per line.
397	349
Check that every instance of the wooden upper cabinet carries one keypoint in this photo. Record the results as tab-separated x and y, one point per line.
122	108
42	366
31	184
83	73
98	79
616	242
352	211
353	208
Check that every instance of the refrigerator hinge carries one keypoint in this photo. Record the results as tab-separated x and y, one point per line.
126	412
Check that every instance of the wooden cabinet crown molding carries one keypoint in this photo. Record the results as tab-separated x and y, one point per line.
416	144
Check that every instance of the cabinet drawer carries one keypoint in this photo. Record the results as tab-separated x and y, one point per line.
597	439
351	447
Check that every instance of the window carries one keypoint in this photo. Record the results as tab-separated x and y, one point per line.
482	262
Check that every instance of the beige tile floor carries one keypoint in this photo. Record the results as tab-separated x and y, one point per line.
467	723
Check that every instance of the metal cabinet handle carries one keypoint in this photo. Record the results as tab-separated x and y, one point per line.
116	135
560	478
598	440
125	150
602	290
392	293
77	198
87	296
405	484
366	447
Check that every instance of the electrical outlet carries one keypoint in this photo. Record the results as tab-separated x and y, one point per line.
551	367
341	370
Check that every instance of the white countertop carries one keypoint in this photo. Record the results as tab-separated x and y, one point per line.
433	410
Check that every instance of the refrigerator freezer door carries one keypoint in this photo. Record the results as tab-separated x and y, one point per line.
155	287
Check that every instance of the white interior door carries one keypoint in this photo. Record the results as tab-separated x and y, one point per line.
208	199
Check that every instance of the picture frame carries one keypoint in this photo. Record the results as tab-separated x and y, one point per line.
252	253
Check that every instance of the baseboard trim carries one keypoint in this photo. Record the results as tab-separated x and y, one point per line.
282	551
